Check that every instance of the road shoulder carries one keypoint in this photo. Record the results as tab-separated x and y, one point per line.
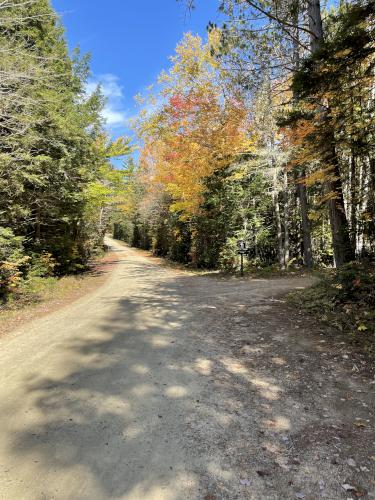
64	292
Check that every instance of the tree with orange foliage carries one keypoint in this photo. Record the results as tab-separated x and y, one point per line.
199	128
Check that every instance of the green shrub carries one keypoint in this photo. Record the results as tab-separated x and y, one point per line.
22	276
14	263
228	257
42	265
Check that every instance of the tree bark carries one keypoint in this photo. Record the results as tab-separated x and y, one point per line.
305	221
37	236
301	186
370	206
276	204
315	24
286	220
353	201
342	248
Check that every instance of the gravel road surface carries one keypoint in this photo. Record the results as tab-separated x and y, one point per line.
167	385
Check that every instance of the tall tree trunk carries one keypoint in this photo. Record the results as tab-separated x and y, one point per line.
370	206
276	205
315	24
256	248
301	186
37	236
286	220
305	221
353	201
342	248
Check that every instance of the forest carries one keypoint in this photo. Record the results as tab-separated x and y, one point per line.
138	359
262	131
55	170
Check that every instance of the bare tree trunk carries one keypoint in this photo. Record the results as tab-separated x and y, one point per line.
353	202
342	249
276	204
360	241
315	24
101	212
370	205
301	186
37	226
305	221
286	220
256	249
365	189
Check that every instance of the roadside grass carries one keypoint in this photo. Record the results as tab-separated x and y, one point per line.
37	296
40	289
344	299
274	271
250	271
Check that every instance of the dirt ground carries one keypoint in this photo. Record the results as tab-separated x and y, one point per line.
166	385
64	292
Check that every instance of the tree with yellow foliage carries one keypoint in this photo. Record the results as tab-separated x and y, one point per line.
200	127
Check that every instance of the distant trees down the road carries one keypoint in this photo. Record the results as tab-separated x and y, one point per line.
264	132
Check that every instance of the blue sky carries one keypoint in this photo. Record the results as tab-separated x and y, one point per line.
130	42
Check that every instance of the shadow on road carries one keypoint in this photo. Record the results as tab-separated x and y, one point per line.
185	387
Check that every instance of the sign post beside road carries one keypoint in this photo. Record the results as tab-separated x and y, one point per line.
242	250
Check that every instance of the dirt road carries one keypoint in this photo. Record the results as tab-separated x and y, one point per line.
165	385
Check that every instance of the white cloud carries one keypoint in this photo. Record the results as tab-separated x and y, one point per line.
114	112
113	117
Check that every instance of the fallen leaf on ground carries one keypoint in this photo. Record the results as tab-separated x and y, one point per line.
360	493
360	424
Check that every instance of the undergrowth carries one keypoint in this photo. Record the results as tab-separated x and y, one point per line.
345	299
